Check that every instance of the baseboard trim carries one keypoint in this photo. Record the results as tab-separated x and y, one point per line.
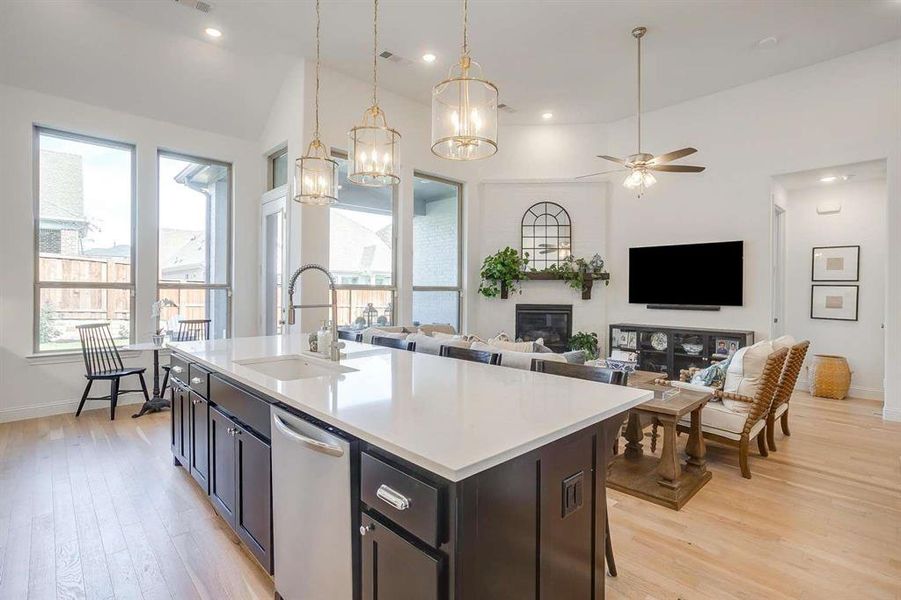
864	393
9	415
891	414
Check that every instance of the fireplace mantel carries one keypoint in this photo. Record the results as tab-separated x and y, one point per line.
587	282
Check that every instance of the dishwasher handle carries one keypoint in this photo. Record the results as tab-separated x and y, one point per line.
306	441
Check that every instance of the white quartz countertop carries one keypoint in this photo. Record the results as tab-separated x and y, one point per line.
451	417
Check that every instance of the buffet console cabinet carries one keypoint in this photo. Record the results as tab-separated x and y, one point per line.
531	527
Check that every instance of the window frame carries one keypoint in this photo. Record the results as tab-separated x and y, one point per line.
270	168
342	155
460	235
229	264
37	131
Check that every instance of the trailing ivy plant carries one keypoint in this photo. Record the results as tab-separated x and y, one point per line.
504	268
587	343
574	270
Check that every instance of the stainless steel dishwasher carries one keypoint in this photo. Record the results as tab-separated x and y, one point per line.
311	506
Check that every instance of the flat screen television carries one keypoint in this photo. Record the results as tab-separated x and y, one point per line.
698	275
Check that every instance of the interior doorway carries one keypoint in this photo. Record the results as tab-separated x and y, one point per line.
273	232
829	257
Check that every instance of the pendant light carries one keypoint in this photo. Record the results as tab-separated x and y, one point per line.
315	173
374	147
464	109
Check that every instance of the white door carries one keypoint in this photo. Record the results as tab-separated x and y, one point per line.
273	229
778	325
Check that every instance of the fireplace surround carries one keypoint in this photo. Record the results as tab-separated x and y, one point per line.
552	322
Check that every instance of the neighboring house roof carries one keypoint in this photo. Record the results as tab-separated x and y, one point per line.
354	248
182	250
117	251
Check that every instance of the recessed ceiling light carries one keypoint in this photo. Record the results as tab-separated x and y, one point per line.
768	42
547	115
213	32
429	57
834	178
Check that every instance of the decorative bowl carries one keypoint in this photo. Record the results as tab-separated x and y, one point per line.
694	349
621	365
659	341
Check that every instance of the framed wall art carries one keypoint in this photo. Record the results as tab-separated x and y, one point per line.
834	302
835	263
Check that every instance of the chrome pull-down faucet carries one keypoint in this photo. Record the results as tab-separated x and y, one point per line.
336	345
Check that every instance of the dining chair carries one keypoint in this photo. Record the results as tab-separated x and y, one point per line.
350	335
395	343
787	381
600	375
102	362
479	356
189	330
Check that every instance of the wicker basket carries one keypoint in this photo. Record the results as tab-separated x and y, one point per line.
829	376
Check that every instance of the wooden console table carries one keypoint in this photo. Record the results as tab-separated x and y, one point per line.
664	481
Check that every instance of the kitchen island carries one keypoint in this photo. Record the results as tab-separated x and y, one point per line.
397	474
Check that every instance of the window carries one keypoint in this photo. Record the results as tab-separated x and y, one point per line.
361	252
195	242
84	234
436	250
278	169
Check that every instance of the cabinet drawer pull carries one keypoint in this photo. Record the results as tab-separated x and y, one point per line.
365	528
392	497
196	381
196	401
177	369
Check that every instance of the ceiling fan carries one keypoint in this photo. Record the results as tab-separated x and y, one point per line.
641	164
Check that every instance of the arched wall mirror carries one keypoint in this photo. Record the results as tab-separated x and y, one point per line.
546	235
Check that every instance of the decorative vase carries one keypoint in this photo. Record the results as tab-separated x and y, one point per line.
829	376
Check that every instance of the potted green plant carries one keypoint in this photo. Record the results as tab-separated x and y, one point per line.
501	272
587	343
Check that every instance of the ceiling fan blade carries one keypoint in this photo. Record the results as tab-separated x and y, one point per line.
671	156
620	161
675	168
601	173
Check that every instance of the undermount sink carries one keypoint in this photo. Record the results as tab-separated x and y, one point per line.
294	366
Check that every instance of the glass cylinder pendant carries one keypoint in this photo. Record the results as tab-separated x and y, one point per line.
464	114
374	151
316	176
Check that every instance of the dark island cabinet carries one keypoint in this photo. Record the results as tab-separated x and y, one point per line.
199	454
394	568
253	503
241	482
181	433
223	490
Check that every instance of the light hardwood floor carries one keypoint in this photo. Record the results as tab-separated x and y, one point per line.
94	509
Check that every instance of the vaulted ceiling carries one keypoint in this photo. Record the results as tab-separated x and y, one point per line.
575	58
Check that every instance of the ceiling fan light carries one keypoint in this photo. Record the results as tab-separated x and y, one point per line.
640	180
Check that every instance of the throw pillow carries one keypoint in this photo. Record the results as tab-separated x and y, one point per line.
786	341
427	344
743	373
575	357
713	376
515	346
440	335
517	360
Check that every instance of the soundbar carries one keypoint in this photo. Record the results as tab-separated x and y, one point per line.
682	307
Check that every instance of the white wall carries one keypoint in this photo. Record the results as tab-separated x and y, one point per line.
34	387
500	216
842	111
861	222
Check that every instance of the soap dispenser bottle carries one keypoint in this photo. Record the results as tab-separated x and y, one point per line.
325	338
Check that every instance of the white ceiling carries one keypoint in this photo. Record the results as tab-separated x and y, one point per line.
864	171
575	58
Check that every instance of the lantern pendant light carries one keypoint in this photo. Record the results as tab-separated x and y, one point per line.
464	109
374	147
316	173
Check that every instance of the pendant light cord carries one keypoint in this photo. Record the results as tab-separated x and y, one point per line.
465	27
639	95
316	131
375	51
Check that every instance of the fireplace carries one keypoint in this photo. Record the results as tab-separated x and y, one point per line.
553	322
